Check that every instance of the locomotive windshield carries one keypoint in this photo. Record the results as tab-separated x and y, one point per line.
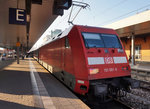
96	40
93	40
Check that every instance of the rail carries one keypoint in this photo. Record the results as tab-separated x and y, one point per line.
145	85
123	105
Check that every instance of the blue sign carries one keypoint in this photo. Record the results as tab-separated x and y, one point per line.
17	16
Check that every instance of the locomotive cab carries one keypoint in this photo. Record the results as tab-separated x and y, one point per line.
105	56
107	63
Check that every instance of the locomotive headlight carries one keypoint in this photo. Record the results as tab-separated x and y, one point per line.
94	70
125	68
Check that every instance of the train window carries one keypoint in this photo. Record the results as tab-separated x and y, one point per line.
67	42
111	41
92	40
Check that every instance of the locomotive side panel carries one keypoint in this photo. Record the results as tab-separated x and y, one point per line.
68	73
78	54
59	59
51	54
81	71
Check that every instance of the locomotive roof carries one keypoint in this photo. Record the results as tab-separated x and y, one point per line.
51	39
85	26
61	35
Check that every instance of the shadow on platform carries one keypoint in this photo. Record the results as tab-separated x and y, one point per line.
12	105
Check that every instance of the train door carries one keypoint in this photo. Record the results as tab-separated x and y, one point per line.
64	49
67	64
67	54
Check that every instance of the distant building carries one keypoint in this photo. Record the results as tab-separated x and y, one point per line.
1	50
134	32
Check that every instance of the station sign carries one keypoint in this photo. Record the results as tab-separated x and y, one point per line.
17	16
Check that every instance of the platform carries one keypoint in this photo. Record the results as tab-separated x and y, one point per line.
143	66
141	71
29	86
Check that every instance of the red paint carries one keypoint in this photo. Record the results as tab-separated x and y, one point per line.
74	59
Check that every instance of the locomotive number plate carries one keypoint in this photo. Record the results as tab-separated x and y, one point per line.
110	69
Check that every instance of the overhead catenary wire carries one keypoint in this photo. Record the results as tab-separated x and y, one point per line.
124	15
105	11
114	6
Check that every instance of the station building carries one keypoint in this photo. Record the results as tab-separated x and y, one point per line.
134	33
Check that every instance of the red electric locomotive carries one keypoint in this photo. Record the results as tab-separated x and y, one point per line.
89	60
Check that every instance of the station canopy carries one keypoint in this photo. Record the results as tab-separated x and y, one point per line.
137	24
25	21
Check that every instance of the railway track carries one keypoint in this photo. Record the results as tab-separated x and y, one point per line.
110	104
114	104
139	98
136	99
123	104
145	85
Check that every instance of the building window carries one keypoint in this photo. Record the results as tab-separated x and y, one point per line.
137	51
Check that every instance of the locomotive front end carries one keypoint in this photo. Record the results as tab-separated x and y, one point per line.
108	67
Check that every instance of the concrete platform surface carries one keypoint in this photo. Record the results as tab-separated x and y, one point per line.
141	71
29	86
15	85
141	66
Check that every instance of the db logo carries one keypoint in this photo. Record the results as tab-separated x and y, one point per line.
108	60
